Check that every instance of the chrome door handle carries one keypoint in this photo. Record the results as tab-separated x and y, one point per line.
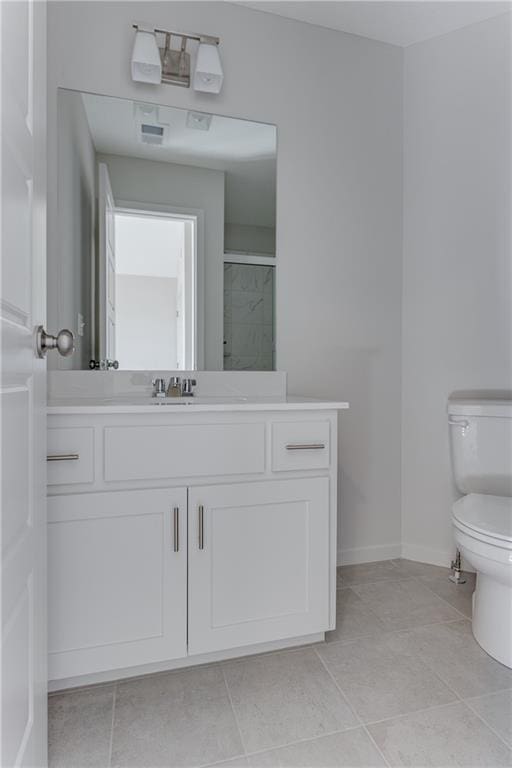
63	342
176	529
63	457
201	526
305	446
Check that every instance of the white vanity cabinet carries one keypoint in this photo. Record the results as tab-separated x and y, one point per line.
180	537
117	565
258	562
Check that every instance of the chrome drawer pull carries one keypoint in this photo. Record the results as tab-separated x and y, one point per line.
201	526
63	457
305	446
176	529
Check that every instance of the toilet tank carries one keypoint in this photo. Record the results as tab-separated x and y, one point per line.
481	445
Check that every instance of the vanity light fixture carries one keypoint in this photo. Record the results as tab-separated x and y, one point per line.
208	76
146	64
156	64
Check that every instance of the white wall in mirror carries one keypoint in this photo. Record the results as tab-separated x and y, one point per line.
218	171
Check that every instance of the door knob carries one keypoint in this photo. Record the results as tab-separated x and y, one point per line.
64	342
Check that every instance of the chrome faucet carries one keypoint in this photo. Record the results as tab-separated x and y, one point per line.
158	387
187	387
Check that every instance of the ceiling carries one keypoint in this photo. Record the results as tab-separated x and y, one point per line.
399	23
115	126
245	151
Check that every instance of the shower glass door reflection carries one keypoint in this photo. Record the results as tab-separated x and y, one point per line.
249	327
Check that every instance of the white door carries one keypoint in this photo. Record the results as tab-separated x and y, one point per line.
117	580
107	266
258	562
23	383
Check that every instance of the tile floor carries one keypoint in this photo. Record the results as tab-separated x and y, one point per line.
400	682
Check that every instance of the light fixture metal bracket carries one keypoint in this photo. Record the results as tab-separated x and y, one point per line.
176	61
210	39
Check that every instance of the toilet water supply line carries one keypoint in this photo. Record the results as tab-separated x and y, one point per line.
456	564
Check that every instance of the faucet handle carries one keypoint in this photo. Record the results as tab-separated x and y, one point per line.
186	387
158	387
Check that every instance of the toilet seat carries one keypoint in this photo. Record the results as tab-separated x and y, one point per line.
485	517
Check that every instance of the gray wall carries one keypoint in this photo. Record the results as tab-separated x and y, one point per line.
339	194
457	331
245	238
184	186
71	253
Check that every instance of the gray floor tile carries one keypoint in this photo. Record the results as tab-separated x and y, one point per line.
442	737
381	680
281	698
459	596
353	749
353	618
365	573
79	728
415	570
176	719
404	604
453	653
496	710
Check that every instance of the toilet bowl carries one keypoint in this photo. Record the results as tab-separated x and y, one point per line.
483	534
481	454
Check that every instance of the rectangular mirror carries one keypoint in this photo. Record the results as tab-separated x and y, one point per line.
167	232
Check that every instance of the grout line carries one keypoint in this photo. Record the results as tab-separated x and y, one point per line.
414	712
287	744
303	741
352	709
482	718
379	750
114	696
368	636
445	601
375	581
228	691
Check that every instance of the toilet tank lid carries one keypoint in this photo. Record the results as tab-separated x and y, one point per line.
476	407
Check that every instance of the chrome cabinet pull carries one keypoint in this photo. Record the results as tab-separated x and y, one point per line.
176	529
63	457
305	446
201	526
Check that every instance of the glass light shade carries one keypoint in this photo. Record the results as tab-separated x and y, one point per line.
208	76
146	64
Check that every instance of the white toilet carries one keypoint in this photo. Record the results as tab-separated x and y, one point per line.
481	452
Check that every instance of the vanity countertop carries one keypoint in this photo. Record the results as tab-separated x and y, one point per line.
194	404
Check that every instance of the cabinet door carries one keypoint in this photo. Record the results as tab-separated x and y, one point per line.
117	567
258	562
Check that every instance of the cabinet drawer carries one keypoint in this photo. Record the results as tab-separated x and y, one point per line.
202	450
70	453
300	445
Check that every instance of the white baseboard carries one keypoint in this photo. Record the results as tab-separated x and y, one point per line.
372	554
427	555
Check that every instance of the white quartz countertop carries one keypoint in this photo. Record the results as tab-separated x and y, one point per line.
142	404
